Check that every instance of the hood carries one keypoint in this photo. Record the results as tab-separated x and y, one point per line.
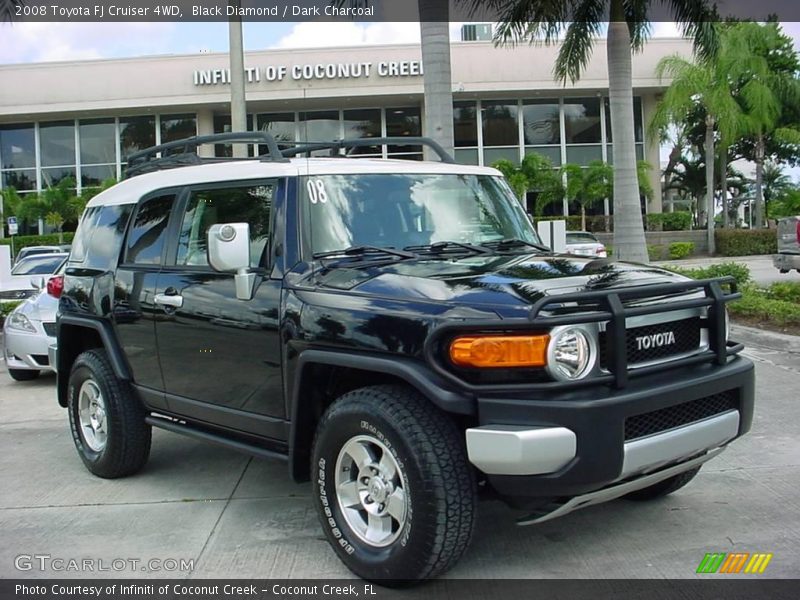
506	283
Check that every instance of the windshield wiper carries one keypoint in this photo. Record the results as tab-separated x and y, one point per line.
365	253
509	243
448	246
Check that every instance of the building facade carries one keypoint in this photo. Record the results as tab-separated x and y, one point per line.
82	119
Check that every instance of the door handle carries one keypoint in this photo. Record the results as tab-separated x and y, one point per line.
175	300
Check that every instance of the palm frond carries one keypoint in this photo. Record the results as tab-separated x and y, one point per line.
575	52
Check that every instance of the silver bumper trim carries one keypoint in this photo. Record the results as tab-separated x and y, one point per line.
654	451
520	450
616	491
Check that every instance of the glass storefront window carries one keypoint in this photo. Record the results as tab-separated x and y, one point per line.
466	156
19	180
404	122
638	123
490	155
222	124
582	120
57	143
500	125
360	124
583	155
177	127
98	139
93	176
280	125
465	124
610	153
136	133
17	147
540	122
319	126
53	175
551	152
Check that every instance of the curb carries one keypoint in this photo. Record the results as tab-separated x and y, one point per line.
751	336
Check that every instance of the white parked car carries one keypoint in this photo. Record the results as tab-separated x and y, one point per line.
583	243
19	286
30	329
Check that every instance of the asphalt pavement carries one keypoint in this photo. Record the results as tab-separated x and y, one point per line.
228	515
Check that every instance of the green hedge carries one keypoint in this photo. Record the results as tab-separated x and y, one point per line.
23	241
674	221
739	272
678	250
788	291
746	242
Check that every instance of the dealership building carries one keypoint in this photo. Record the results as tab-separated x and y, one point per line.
81	119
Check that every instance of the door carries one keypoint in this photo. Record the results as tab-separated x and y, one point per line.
134	290
220	356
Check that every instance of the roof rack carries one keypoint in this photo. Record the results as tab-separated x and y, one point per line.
336	146
184	152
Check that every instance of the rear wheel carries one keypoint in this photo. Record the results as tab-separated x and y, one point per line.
106	418
23	374
665	487
394	491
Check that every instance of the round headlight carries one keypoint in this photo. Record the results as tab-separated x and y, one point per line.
571	354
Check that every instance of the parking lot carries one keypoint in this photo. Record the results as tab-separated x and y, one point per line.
227	515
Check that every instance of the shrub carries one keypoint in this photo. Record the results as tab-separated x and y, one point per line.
23	241
788	291
6	308
746	242
655	252
739	272
674	221
680	250
756	304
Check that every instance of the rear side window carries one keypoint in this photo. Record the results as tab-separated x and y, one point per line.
580	238
83	234
149	230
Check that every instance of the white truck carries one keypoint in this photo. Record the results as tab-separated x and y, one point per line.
788	256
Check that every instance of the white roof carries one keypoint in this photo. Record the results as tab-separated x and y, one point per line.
131	190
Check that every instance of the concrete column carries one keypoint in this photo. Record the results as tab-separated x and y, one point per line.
205	126
652	153
238	108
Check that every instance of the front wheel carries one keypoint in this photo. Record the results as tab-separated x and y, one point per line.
106	418
665	487
394	491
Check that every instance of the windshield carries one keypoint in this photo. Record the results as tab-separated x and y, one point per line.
39	265
578	238
401	210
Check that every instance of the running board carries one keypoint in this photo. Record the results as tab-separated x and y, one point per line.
208	436
615	491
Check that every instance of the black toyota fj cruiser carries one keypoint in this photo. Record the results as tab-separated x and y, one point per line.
397	332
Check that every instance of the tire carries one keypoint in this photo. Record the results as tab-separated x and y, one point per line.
106	418
426	526
23	374
664	488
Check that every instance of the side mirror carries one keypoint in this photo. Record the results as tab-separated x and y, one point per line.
229	251
38	283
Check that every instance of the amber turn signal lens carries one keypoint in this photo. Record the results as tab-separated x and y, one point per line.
500	351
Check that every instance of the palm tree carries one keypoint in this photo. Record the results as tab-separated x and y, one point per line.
776	184
582	21
588	185
708	85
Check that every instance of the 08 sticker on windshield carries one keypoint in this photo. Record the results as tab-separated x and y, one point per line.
316	191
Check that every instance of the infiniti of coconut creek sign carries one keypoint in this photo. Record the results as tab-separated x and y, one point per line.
356	70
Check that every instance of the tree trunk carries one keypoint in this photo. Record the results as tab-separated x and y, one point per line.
709	149
723	184
583	218
629	240
759	182
438	87
236	56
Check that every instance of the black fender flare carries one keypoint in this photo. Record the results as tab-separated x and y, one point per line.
415	374
105	332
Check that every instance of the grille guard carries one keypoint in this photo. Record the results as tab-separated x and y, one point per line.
612	310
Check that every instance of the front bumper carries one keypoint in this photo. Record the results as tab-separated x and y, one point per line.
573	442
27	350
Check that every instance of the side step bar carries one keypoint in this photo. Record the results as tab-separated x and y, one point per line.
208	436
615	491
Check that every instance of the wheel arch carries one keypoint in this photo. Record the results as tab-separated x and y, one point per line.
321	376
79	334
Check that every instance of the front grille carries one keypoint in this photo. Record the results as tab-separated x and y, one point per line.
50	329
680	414
687	339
